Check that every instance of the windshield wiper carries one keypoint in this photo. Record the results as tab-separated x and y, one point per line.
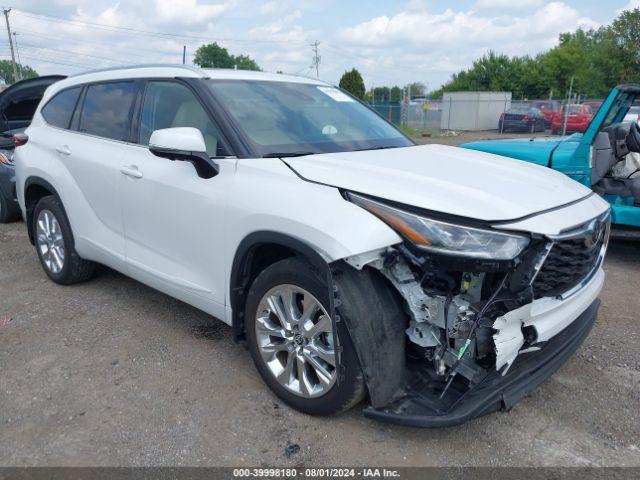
384	147
286	154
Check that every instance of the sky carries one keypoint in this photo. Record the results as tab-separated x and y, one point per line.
389	42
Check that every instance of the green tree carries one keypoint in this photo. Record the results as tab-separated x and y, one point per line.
352	82
596	59
395	94
244	62
6	71
213	55
417	89
624	36
382	94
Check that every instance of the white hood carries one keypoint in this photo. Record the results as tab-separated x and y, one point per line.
445	179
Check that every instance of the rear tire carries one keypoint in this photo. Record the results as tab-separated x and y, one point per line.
6	213
55	244
325	389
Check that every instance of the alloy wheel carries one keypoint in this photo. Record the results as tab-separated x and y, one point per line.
50	241
294	334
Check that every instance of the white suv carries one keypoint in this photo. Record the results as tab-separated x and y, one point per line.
441	283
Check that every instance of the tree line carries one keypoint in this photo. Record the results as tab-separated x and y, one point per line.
596	59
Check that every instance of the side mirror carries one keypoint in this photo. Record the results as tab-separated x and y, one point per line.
185	144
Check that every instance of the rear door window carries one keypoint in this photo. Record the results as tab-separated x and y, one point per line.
57	112
107	109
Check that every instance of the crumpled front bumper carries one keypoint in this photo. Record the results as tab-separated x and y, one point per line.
419	405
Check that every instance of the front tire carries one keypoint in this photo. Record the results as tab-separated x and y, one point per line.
55	245
290	335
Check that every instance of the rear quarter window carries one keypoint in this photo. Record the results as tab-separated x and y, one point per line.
57	112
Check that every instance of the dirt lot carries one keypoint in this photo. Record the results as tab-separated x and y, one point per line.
111	372
456	138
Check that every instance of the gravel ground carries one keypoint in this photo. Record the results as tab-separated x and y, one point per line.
111	372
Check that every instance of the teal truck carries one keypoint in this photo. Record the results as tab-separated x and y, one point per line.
601	158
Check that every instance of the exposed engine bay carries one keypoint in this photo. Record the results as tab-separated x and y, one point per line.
455	316
468	320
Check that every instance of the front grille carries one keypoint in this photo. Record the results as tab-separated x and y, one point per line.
570	261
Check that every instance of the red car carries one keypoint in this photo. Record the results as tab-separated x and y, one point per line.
548	109
578	118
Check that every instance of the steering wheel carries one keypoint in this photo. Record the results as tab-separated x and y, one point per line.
633	138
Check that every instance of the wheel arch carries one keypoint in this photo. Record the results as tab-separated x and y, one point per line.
256	252
36	188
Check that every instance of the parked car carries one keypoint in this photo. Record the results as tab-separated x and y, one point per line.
442	283
522	118
17	105
595	106
590	158
578	118
548	109
633	114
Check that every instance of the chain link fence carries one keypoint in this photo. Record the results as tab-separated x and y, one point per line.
499	113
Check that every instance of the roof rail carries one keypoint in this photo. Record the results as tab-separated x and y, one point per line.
146	65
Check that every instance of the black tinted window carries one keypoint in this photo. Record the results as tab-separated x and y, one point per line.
58	110
106	110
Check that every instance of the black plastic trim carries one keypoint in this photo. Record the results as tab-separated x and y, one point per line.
239	277
495	392
41	182
629	88
204	165
235	142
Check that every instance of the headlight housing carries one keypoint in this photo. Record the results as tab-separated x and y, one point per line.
443	237
6	158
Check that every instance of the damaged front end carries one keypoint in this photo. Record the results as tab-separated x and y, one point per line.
489	314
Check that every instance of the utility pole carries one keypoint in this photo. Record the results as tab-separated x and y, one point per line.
316	58
184	54
13	57
20	72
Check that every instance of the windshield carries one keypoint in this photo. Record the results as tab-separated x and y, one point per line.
520	109
574	110
544	105
618	109
301	118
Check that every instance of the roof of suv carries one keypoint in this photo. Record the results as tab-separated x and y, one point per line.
172	71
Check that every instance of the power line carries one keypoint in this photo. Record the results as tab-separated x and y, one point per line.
108	59
58	61
101	44
116	28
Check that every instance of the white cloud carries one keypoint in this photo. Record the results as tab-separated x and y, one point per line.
458	30
434	45
630	6
189	11
507	4
268	8
281	29
412	40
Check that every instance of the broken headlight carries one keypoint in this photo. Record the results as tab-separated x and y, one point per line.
446	238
